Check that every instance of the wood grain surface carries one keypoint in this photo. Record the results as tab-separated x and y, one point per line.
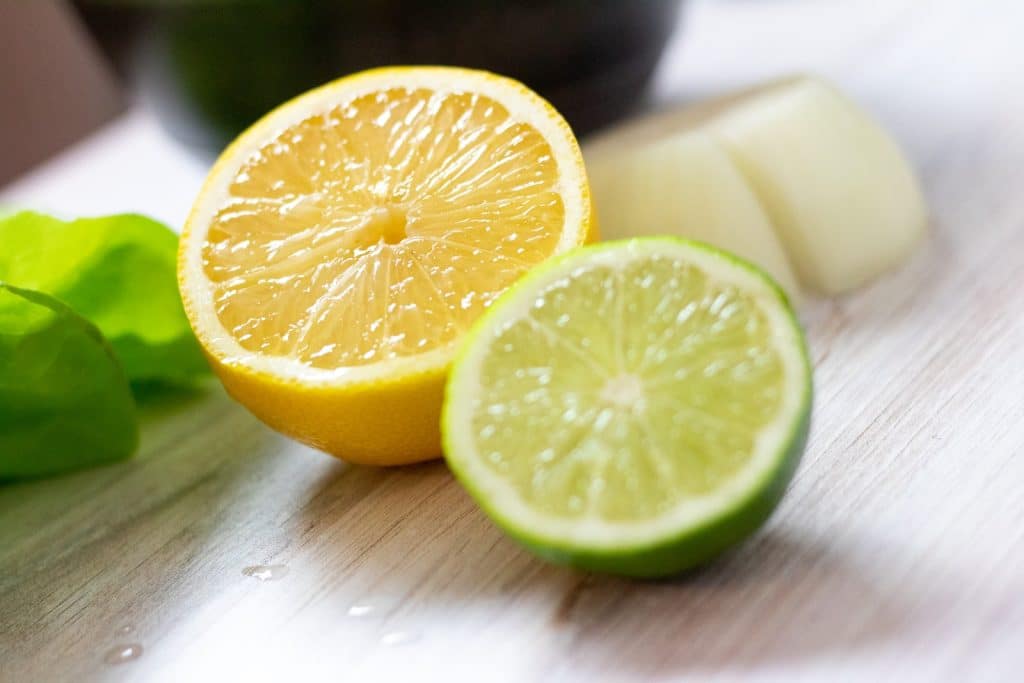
224	551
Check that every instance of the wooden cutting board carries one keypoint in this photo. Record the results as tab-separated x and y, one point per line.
225	551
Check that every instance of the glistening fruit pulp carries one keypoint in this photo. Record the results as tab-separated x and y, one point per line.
626	391
380	228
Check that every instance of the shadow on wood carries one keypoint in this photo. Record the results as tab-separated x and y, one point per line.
431	555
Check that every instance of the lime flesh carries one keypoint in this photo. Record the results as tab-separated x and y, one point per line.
635	407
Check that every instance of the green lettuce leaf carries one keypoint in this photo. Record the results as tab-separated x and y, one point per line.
65	402
118	272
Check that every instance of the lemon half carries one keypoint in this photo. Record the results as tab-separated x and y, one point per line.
341	247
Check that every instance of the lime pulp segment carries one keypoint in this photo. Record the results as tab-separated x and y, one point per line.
627	395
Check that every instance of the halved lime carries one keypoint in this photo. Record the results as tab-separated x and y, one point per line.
634	407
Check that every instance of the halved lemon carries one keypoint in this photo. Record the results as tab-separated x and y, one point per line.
340	248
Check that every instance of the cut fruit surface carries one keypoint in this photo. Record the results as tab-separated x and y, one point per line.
791	175
684	185
635	407
341	247
841	194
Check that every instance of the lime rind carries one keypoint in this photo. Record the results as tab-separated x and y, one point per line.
639	549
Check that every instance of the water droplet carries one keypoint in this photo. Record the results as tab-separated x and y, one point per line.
535	396
126	629
119	654
360	610
266	572
375	606
603	418
396	638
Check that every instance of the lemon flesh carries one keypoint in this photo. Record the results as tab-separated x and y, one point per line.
343	245
381	227
635	407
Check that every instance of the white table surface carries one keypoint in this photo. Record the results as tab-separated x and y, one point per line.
898	553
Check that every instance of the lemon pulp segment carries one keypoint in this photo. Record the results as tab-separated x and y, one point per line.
381	227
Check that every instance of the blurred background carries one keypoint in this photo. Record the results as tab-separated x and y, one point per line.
141	94
206	69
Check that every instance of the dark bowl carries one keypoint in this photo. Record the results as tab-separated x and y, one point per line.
212	67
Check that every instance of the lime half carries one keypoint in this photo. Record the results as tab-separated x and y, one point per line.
634	407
